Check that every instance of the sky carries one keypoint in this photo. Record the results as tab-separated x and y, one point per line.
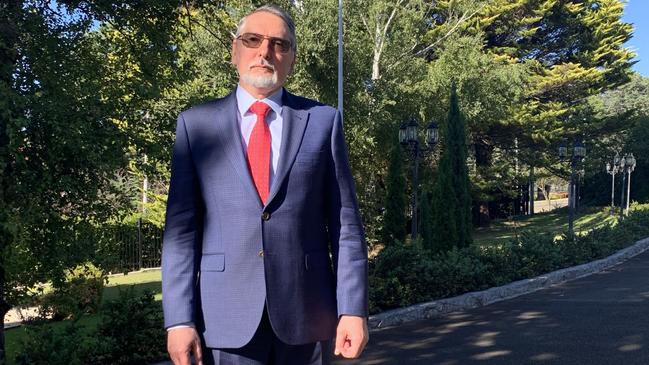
637	13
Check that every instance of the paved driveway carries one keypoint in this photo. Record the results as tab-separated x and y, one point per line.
600	319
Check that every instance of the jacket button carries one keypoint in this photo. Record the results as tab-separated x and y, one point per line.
261	253
265	216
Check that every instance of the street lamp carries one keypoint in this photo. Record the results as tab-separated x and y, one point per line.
578	154
409	139
627	165
613	169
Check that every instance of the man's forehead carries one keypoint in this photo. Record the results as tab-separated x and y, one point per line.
263	21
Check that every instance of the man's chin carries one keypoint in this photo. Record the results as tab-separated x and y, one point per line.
261	82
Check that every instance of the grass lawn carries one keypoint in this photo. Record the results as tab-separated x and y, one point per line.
142	280
553	222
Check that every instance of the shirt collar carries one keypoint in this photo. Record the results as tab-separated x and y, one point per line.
245	100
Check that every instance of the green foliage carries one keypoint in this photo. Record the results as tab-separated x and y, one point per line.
46	345
399	276
624	111
130	333
60	135
394	221
78	294
402	275
451	219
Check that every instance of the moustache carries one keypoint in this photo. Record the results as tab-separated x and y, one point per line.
262	63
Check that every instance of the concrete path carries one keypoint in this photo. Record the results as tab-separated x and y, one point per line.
16	316
541	206
596	320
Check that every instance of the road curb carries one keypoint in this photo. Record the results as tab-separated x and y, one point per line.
476	299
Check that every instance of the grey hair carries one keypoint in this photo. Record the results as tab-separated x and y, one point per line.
275	10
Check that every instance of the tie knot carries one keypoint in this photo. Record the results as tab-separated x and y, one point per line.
260	109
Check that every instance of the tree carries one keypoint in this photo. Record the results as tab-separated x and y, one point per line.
624	113
451	195
9	12
60	135
394	221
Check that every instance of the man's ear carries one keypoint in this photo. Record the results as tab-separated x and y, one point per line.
290	72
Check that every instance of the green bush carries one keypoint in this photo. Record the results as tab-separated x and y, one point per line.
403	275
399	277
538	253
455	272
47	345
130	332
80	293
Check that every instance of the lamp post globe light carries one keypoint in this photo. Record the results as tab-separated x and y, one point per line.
408	137
613	169
629	165
578	154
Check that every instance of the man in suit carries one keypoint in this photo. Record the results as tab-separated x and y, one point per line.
264	259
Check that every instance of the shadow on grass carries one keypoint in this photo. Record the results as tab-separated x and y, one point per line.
112	292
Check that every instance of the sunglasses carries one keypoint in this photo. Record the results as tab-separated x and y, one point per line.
253	40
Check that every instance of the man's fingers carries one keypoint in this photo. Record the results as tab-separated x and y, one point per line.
198	352
352	348
180	358
181	343
341	337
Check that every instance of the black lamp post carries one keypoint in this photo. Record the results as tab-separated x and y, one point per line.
409	139
613	169
627	165
578	154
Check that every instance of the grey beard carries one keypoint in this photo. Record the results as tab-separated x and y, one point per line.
261	82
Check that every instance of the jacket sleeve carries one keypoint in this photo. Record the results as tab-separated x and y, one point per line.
182	235
345	230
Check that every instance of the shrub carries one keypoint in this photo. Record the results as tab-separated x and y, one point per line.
399	276
402	275
130	332
456	271
44	344
80	293
538	253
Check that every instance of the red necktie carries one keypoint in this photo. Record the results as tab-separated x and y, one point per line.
259	151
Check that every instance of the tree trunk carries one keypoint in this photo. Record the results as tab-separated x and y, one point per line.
4	308
532	192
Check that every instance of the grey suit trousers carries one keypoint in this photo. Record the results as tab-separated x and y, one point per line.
266	349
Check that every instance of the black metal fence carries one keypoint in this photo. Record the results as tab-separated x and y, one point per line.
133	247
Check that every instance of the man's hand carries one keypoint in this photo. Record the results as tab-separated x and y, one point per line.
351	336
181	342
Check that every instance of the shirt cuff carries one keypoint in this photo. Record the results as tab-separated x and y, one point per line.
179	326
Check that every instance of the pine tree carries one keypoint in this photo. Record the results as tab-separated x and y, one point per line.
451	195
394	222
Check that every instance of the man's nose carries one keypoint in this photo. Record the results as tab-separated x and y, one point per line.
265	48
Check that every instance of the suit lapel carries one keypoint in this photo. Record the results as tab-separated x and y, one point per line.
230	141
295	121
